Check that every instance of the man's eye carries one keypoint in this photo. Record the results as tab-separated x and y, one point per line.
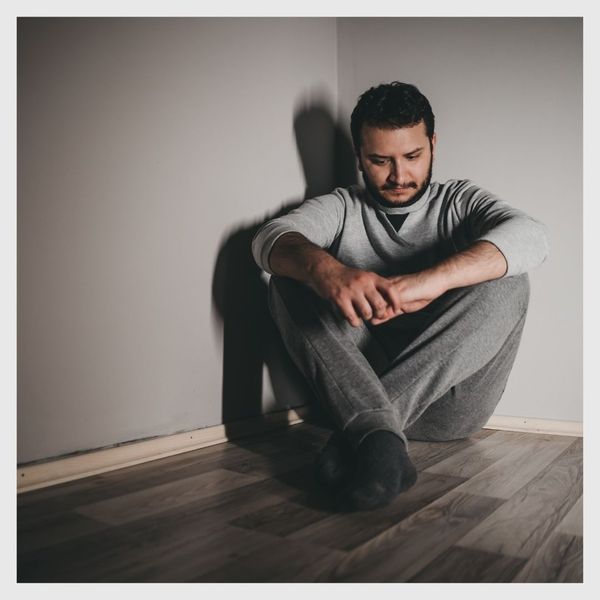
377	161
412	157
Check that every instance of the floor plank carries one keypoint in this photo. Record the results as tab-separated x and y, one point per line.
521	525
461	565
522	461
172	556
54	528
158	498
348	531
572	524
278	561
476	457
558	560
426	454
401	551
281	519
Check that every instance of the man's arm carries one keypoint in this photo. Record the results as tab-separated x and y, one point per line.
481	262
319	220
365	295
522	239
357	294
500	241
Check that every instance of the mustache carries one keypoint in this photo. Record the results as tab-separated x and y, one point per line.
406	186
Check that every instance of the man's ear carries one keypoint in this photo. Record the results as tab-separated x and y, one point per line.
433	143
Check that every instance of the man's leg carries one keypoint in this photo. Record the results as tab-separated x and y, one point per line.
341	364
465	331
447	382
337	360
467	406
457	336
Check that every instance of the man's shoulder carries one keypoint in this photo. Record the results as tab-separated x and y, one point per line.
455	192
345	196
451	186
349	193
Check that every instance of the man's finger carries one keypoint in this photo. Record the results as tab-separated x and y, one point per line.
390	314
363	308
392	295
347	310
378	303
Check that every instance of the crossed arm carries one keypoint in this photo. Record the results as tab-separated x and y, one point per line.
365	295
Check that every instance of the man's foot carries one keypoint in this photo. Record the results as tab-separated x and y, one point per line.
384	469
336	462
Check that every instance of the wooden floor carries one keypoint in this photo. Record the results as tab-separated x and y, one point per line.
498	507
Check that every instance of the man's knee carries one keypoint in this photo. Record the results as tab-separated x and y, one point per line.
512	291
507	297
443	422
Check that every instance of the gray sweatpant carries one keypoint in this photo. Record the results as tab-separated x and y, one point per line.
436	374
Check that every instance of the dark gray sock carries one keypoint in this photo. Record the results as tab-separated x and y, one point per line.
383	470
336	462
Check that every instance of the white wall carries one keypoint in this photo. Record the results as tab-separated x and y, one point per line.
142	145
507	96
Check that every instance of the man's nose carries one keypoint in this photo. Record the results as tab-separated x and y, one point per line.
396	173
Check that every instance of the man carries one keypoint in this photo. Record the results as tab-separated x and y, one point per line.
402	302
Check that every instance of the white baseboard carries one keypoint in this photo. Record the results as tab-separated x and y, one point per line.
61	470
531	425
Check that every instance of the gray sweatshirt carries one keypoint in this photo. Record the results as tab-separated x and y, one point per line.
448	218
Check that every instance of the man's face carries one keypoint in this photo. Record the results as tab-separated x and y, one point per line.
396	163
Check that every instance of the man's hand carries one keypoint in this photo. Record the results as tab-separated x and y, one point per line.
365	295
412	292
357	294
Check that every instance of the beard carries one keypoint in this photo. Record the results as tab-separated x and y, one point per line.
417	195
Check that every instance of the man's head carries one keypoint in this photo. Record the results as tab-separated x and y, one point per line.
393	133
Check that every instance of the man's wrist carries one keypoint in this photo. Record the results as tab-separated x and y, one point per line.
440	277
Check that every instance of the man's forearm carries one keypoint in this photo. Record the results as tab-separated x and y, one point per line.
481	262
298	258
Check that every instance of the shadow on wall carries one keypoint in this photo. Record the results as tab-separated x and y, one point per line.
250	337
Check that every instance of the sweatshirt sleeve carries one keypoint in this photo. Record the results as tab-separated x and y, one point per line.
319	220
522	239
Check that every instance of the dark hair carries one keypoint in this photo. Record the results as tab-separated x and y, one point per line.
390	106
